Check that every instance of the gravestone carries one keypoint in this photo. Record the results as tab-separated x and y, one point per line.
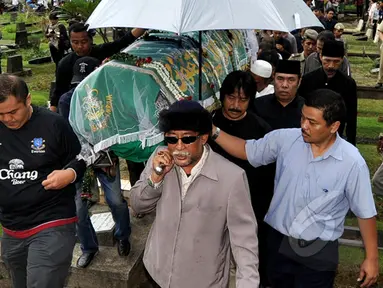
358	28
20	26
22	38
360	25
40	60
15	66
103	224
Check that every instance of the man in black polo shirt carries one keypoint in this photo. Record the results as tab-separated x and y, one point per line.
330	77
82	44
283	108
38	165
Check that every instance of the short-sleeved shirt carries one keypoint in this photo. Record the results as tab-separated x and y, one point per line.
312	196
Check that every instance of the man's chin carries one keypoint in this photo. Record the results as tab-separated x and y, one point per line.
12	127
307	140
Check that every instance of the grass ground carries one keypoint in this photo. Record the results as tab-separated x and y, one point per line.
361	66
348	269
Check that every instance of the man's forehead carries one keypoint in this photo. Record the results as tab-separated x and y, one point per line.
79	35
237	91
285	75
312	112
10	104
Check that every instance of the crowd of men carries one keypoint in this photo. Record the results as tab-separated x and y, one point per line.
264	182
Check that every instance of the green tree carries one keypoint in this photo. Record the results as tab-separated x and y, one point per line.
81	10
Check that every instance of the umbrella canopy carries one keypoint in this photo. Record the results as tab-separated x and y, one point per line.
181	16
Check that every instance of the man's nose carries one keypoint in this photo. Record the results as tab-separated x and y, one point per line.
180	145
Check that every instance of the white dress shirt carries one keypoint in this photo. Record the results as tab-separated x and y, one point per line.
268	90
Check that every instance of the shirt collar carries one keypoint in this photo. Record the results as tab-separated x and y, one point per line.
335	150
209	168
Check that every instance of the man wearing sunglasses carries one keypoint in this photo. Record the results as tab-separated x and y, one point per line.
202	204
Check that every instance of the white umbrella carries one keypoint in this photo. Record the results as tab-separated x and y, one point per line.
181	16
197	15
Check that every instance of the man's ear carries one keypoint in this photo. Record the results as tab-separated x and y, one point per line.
335	127
28	100
204	138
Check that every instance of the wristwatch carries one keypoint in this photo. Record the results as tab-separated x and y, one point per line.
216	134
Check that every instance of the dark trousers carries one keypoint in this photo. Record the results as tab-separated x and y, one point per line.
359	11
135	170
284	272
263	254
56	54
42	260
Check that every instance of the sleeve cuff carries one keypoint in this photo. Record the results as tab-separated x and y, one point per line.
154	185
75	174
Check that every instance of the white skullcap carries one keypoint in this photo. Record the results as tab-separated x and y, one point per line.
262	69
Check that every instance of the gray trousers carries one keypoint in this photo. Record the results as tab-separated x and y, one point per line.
42	260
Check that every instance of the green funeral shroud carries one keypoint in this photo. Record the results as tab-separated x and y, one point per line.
117	106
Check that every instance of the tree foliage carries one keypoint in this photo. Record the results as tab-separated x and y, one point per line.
80	10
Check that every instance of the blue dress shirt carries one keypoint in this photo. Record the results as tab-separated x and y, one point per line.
313	195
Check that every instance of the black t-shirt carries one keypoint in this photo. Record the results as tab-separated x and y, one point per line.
342	84
64	72
27	156
278	116
261	179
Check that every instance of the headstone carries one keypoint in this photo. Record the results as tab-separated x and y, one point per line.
362	38
375	71
40	60
13	17
358	34
15	64
22	38
369	33
102	222
360	25
20	26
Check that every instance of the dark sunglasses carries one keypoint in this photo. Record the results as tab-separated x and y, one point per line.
185	140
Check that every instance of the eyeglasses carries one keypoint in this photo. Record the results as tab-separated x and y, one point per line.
185	139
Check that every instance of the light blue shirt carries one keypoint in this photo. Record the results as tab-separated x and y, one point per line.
312	196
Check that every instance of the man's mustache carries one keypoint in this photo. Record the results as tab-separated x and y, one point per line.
180	153
304	132
235	110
